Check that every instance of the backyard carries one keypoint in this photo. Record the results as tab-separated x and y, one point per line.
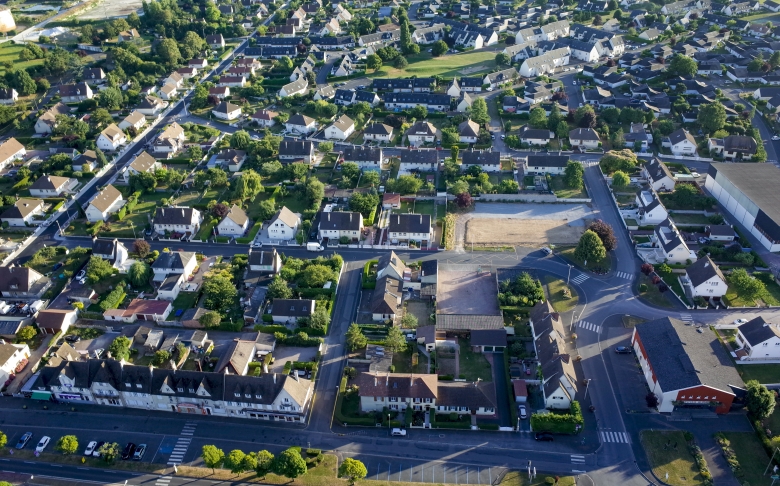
424	64
9	53
677	461
651	292
763	373
564	192
769	296
473	365
751	456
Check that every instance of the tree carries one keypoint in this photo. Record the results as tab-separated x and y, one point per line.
590	247
266	210
760	401
620	179
479	111
747	286
161	357
711	117
98	269
120	348
774	60
614	160
139	274
279	289
355	338
409	321
25	334
682	65
315	191
142	247
459	187
395	340
439	48
585	117
289	464
315	276
59	60
572	175
419	112
3	440
109	452
400	62
285	63
68	444
22	82
111	98
235	461
240	140
212	456
405	184
265	461
352	470
350	171
210	320
464	200
371	177
363	203
562	130
537	118
756	64
320	319
373	62
605	233
503	59
597	20
219	292
169	53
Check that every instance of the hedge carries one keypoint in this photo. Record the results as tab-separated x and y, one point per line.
370	220
273	329
297	339
325	294
559	423
369	281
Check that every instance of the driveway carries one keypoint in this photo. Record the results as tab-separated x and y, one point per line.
91	345
283	354
502	393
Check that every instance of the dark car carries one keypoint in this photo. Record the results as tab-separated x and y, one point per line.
57	266
129	451
23	440
623	350
73	338
544	437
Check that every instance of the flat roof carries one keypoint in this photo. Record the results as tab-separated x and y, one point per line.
759	182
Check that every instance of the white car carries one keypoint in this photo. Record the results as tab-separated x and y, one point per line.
574	83
42	443
695	174
398	432
81	275
523	411
489	88
775	137
90	448
739	322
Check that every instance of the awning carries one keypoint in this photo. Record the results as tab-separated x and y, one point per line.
41	395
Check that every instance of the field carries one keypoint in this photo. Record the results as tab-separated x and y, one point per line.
521	232
751	456
679	464
9	53
110	9
449	66
762	373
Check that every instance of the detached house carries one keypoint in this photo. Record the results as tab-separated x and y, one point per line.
733	147
468	131
289	311
22	283
215	41
704	279
283	225
669	245
141	164
265	118
51	186
235	222
46	122
301	124
535	136
386	299
650	211
341	129
559	378
546	164
177	220
8	96
298	87
378	132
226	111
53	321
111	250
336	224
680	142
296	151
23	212
135	120
111	138
170	141
658	175
151	106
174	263
584	138
421	132
758	340
367	158
75	93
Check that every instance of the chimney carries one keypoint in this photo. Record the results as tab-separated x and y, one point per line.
387	379
173	365
374	380
274	378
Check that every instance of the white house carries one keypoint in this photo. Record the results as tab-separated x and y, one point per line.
8	96
170	141
424	160
367	158
105	203
234	223
113	251
559	377
658	175
546	164
12	356
226	111
468	131
283	225
167	92
296	151
535	136
174	262
586	138
301	124
151	105
22	212
51	186
265	118
546	63
704	279
650	211
46	122
421	132
111	138
177	220
680	142
410	227
378	132
297	87
337	224
341	129
141	164
288	311
135	120
758	340
669	245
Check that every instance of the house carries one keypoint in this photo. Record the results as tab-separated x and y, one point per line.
234	223
421	132
232	81
135	120
106	202
22	283
386	299
367	158
658	175
548	62
215	41
410	228
422	160
46	122
704	279
341	129
546	164
85	162
128	36
720	232
283	225
495	79
301	124
468	131
405	101
111	138
733	147
289	311
220	92
296	151
535	136
111	250
378	132
396	391
177	220
51	186
390	265
8	96
680	142
141	164
75	93
488	161
265	118
231	159
174	79
559	377
649	210
13	359
669	245
198	63
226	111
488	340
52	321
547	32
584	138
170	141
174	262
23	212
141	310
11	150
324	93
335	225
297	87
685	366
151	106
758	341
463	104
265	261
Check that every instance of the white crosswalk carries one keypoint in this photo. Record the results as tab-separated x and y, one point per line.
577	459
686	318
163	480
624	275
580	278
182	444
589	326
619	437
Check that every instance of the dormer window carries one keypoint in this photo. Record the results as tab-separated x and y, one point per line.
259	397
138	385
237	395
191	390
128	385
180	390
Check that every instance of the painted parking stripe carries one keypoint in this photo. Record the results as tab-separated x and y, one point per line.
579	278
589	326
686	318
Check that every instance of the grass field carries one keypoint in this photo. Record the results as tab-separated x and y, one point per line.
653	295
770	295
10	53
562	191
679	464
422	207
604	264
455	65
555	289
763	373
751	456
473	365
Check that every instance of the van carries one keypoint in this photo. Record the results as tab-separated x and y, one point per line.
398	432
314	246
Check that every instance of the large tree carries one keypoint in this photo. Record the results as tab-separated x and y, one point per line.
111	98
395	340
605	232
620	179
169	53
139	273
590	248
572	175
747	286
265	462
682	65
355	338
68	444
711	117
279	289
219	292
290	464
120	348
353	470
98	269
537	118
363	203
479	111
439	48
212	456
235	461
240	140
760	401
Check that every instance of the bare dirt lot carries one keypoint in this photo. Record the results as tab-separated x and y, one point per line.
111	9
467	292
521	232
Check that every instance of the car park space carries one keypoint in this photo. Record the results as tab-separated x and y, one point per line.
629	381
426	472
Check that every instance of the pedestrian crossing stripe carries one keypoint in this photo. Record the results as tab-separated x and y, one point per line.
616	437
580	278
589	326
624	275
577	459
182	444
686	317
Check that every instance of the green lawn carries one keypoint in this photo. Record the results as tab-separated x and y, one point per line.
770	295
520	478
473	365
763	373
604	264
751	456
293	202
555	288
185	300
449	66
691	219
653	295
674	283
631	321
562	191
679	464
421	207
10	53
403	361
206	230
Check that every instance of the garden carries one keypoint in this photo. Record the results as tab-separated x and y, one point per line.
674	458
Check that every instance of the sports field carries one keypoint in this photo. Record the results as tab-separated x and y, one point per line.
448	66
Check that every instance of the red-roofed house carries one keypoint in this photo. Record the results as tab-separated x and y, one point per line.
141	310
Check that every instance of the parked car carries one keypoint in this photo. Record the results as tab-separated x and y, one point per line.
57	266
139	452
703	240
90	448
523	411
544	437
96	452
739	322
81	274
398	432
546	250
695	174
129	451
73	338
23	440
42	444
623	350
775	137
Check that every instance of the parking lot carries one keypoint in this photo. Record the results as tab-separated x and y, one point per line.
283	354
428	472
628	376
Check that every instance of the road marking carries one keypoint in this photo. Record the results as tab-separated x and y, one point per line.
577	459
624	275
614	437
579	278
182	444
687	318
589	326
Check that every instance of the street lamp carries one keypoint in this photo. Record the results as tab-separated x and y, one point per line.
133	226
569	276
587	384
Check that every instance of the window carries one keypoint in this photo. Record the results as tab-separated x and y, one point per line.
191	390
248	395
237	395
180	390
128	385
138	385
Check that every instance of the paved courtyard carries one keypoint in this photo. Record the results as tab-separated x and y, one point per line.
467	292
